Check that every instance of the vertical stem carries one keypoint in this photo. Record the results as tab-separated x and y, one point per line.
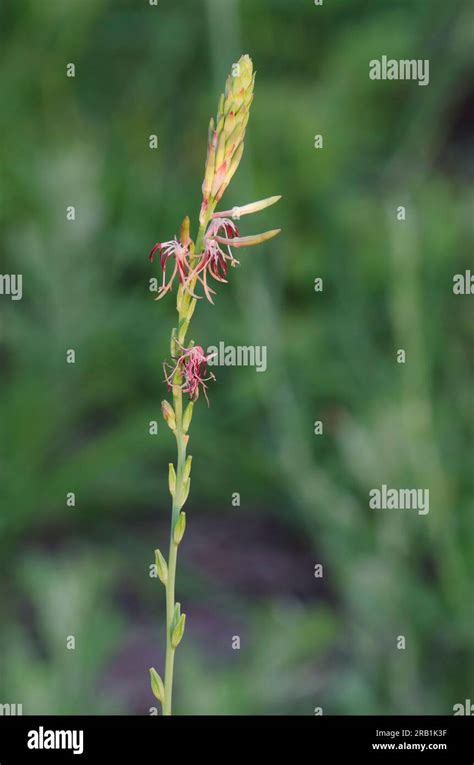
173	552
183	303
169	661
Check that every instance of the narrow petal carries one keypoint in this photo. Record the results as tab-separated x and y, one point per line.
253	207
152	253
247	241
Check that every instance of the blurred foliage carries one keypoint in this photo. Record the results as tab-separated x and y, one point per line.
55	665
332	356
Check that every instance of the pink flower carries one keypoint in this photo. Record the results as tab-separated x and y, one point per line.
172	249
192	366
214	259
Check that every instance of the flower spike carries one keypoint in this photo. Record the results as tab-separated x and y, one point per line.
226	135
193	265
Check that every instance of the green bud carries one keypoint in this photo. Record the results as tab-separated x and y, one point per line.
184	233
161	567
220	122
187	416
233	138
220	106
230	124
231	171
220	152
178	631
172	479
187	486
179	528
211	129
187	468
210	161
157	685
168	414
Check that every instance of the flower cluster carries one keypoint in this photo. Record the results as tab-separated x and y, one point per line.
214	260
220	236
179	252
189	372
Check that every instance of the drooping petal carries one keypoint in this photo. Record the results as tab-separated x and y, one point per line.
180	252
156	247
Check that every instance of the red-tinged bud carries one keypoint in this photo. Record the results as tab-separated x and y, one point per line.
226	135
168	415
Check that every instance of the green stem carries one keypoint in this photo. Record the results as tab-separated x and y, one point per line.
173	552
169	661
183	301
200	236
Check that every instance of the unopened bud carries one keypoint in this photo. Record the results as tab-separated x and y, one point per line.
168	414
157	685
187	486
231	171
178	631
184	234
161	567
179	528
187	416
171	479
226	136
210	160
187	468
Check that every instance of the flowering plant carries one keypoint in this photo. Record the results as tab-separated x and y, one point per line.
191	264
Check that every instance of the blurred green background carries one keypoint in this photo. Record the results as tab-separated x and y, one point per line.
306	642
